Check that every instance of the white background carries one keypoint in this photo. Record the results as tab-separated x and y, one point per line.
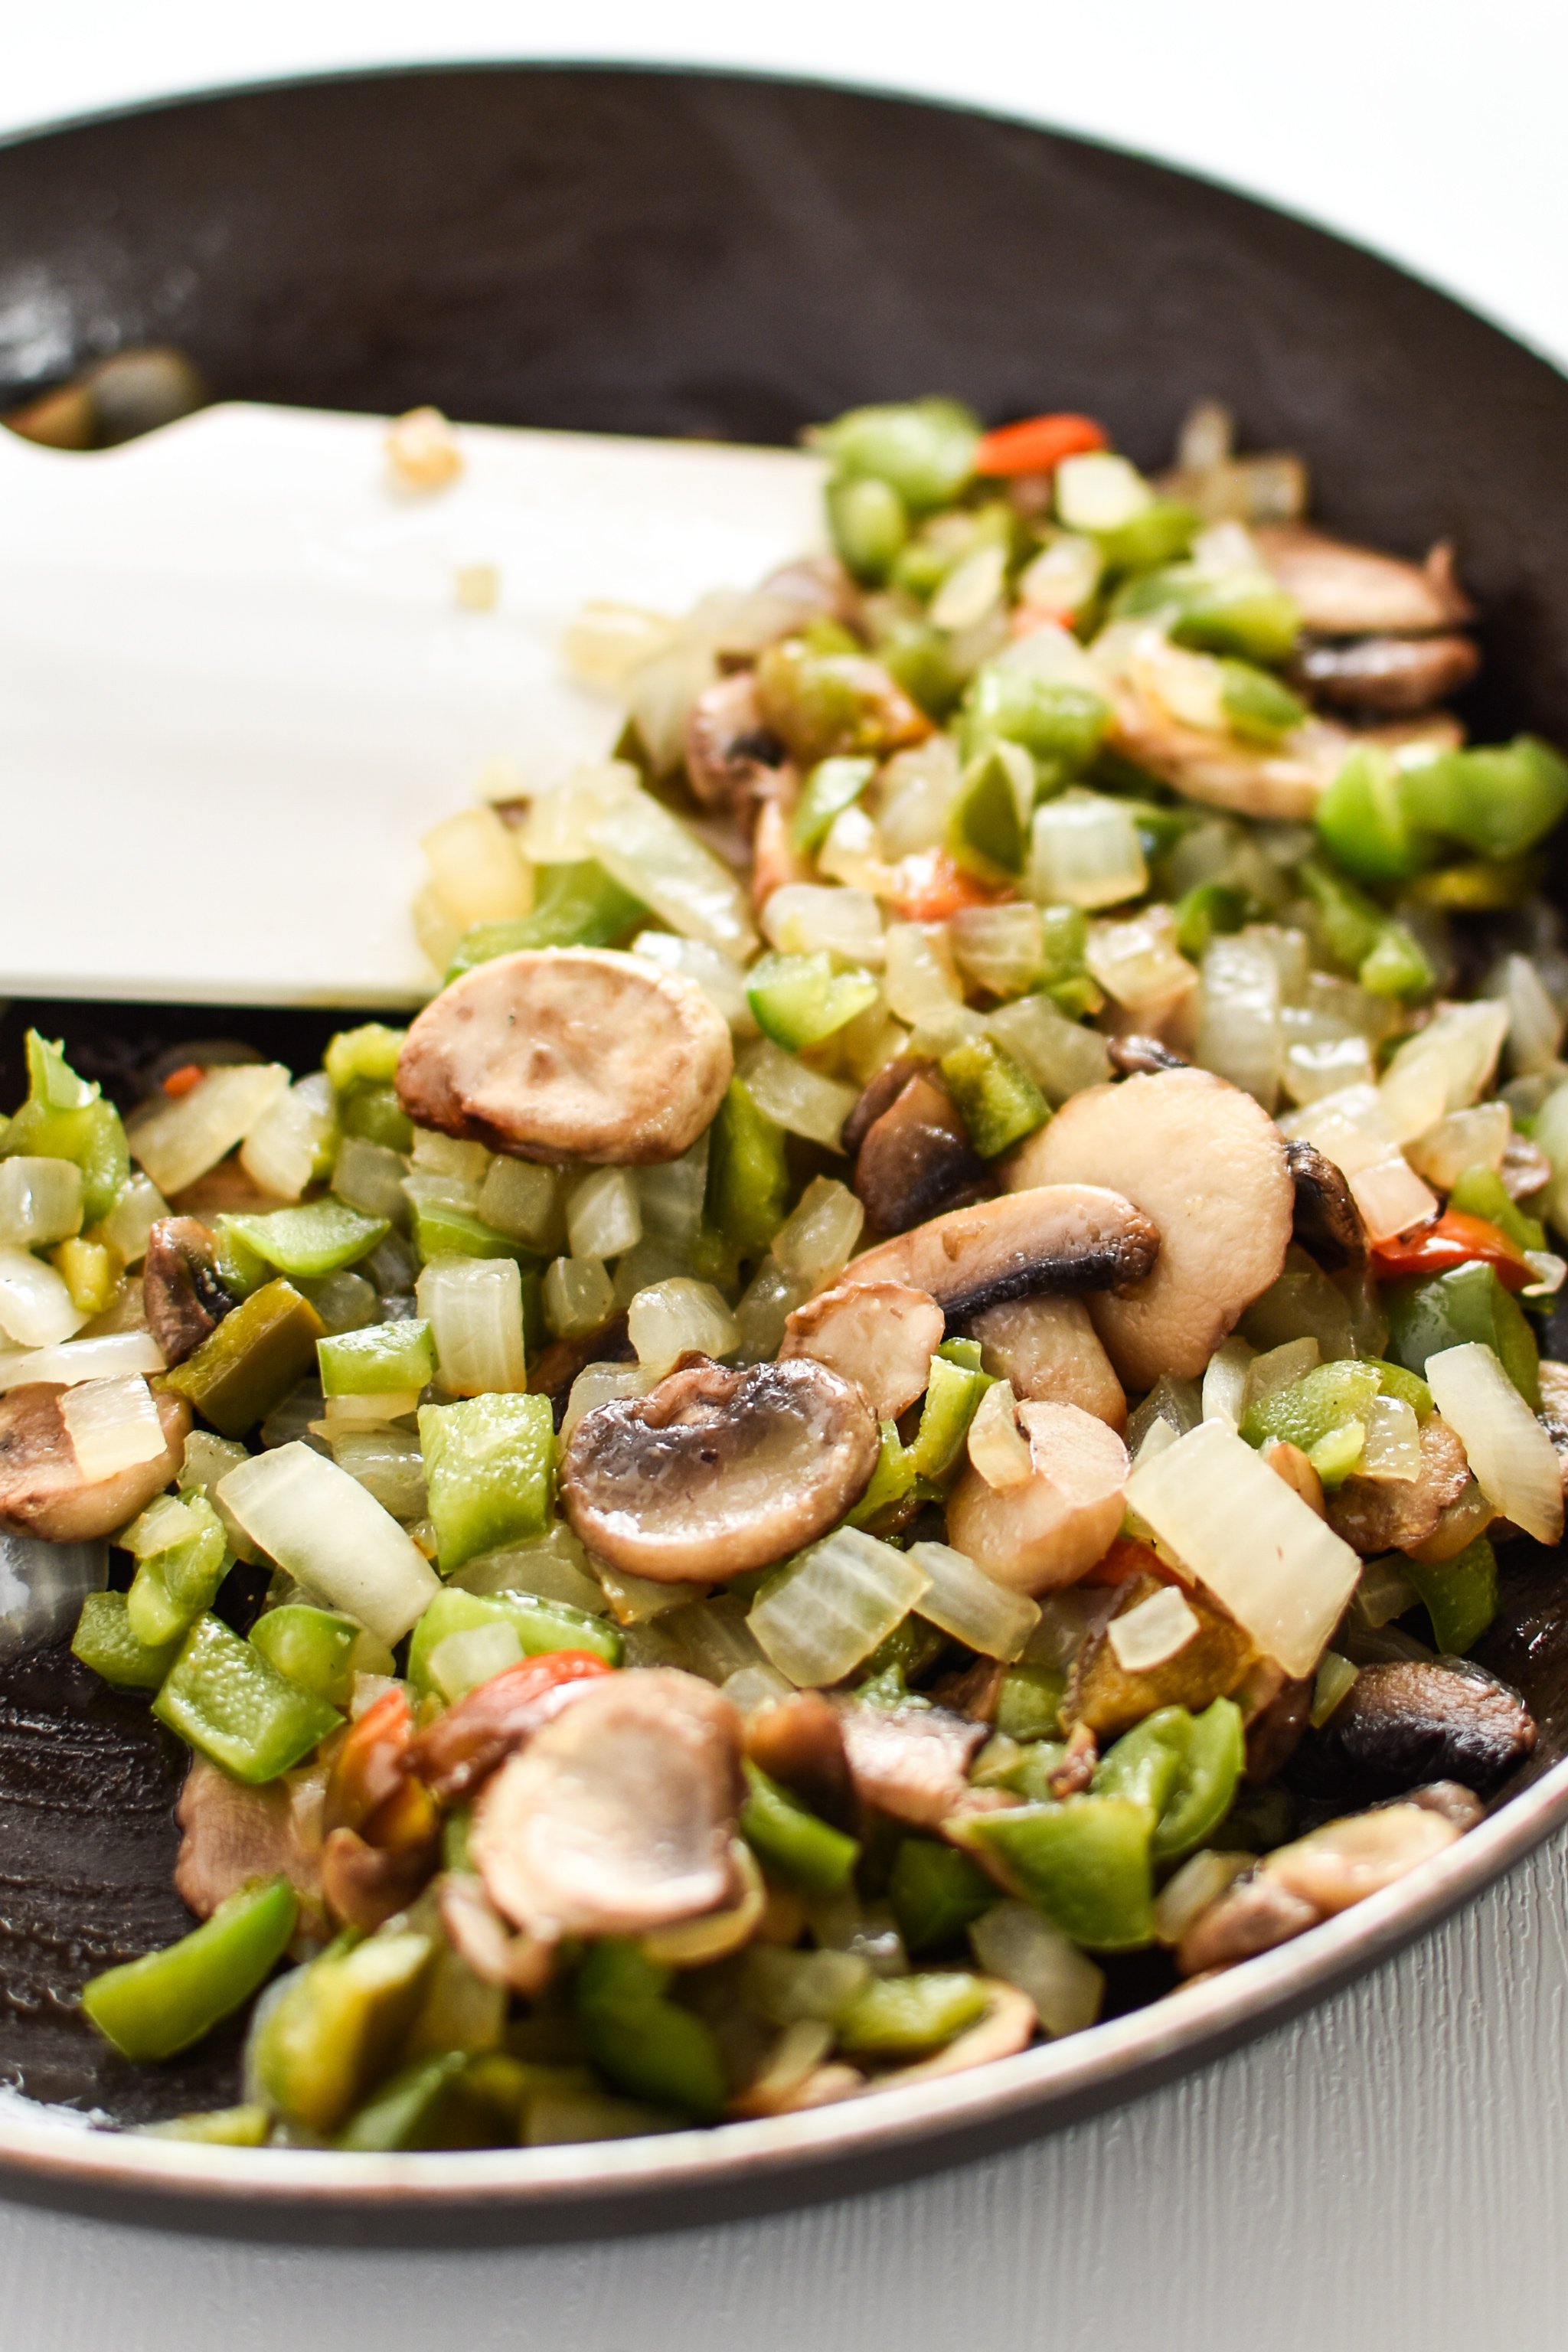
1391	2171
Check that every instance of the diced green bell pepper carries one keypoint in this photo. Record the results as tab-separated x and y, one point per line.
1394	1380
327	2032
375	1116
869	524
173	1585
363	1056
252	1359
216	2127
792	1841
575	906
540	1625
64	1117
406	2111
1030	1703
1061	725
997	1102
832	786
987	829
1206	911
1499	801
1365	819
224	1698
1184	1767
1309	1409
385	1359
923	662
924	449
748	1173
1461	1595
1385	956
313	1647
1085	1864
1467	1303
646	2044
443	1230
1157	534
320	1238
799	1000
953	1391
900	2017
1259	707
489	1464
1240	613
1481	1193
152	2008
103	1640
935	1891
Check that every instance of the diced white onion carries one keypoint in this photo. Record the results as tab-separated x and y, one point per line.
1458	1048
852	853
366	1411
1012	1941
112	1426
1157	1629
133	1218
659	695
598	1384
178	1140
1239	1036
434	1154
920	977
283	1150
1550	1272
434	929
1268	1558
714	973
167	1520
42	1588
36	1309
1349	1127
650	853
970	589
914	795
474	1305
1225	1382
1466	1139
769	1298
817	1240
329	1535
1392	1447
74	1361
1534	1024
997	1446
1156	1439
1085	851
670	1195
1391	1198
715	1639
553	1565
1062	1057
464	1660
40	1202
1191	687
560	826
1385	1592
369	1177
1099	491
671	1317
1063	577
578	1297
1001	948
1512	1460
804	917
1178	1403
963	1600
1139	963
1201	1879
1315	1066
603	1217
830	1607
753	1687
638	1599
802	1100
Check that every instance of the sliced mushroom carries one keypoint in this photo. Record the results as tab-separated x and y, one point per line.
881	1335
730	756
568	1054
1380	1515
1008	2027
481	1939
231	1833
1251	1916
1135	1057
183	1299
1278	1728
1053	1238
1387	677
1283	781
1056	1523
916	1159
1340	590
1327	1223
1401	1724
910	1762
880	1093
799	1742
1108	1699
42	1490
1049	1350
1207	1167
1456	1804
619	1816
463	1747
717	1471
366	1886
1345	1862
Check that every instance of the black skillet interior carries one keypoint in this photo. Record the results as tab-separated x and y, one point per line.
689	254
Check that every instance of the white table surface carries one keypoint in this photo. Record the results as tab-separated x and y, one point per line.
1393	2170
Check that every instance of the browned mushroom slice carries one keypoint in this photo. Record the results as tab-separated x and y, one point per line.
1060	1238
730	756
1048	1351
1344	591
1380	1514
1252	1916
916	1159
464	1746
1283	781
716	1471
1387	677
1327	1221
1107	1698
799	1741
880	1092
231	1834
1207	1167
881	1335
1140	1057
183	1299
42	1490
568	1054
619	1816
1052	1526
1418	1720
910	1762
366	1885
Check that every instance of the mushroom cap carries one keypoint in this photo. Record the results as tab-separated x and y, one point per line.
568	1054
1052	1526
1053	1238
881	1335
42	1490
1208	1166
1049	1352
1328	1224
1387	678
618	1815
716	1470
1340	590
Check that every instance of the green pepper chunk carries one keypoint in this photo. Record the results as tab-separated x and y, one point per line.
748	1173
224	1698
953	1391
1394	1380
1366	821
647	2044
152	2008
987	826
1461	1595
1312	1408
385	1359
575	906
793	1842
832	786
443	1230
935	1891
216	2127
313	1647
328	2031
1185	1767
1481	1193
1085	1864
1465	1304
1030	1703
1243	614
103	1640
540	1626
900	2017
1499	801
923	662
799	1000
1356	934
490	1463
322	1237
924	449
406	2110
1061	725
173	1584
1157	534
1259	707
869	524
64	1117
997	1102
1206	911
363	1056
252	1361
376	1115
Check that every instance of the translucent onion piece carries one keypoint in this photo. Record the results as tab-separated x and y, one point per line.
754	1686
1137	961
435	1154
1062	577
921	978
852	853
1457	1050
1224	1382
1349	1127
801	1099
715	1640
1534	1024
1314	1067
1466	1139
369	1177
578	1297
831	1606
1267	1558
714	973
1099	491
768	1300
997	1446
1157	1629
1385	1592
963	1600
1276	1369
1012	1941
1178	1403
1053	654
1201	1879
1336	1678
112	1424
36	1309
670	1318
1085	851
1550	1272
606	641
1392	1444
176	1141
598	1384
914	797
474	1305
1001	948
803	917
42	1588
553	1565
659	695
1511	1458
1239	1036
638	1600
560	826
1061	1056
817	1239
650	853
284	1150
40	1202
671	1195
970	590
460	1663
370	1410
603	1215
1191	687
330	1536
1391	1198
133	1218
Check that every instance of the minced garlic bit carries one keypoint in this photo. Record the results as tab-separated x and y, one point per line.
422	450
477	587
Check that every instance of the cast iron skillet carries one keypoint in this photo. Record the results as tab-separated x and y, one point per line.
688	254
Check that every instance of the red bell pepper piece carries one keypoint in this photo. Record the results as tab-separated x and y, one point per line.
931	887
1038	445
1455	1239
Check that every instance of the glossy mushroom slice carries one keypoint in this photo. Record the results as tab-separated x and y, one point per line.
914	1160
716	1471
620	1815
1283	781
911	1762
1417	1720
182	1297
42	1489
881	1335
732	758
1327	1221
1053	1238
1056	1522
568	1054
1344	591
1049	1352
1387	677
231	1834
1207	1167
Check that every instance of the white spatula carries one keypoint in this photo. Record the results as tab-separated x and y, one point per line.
236	684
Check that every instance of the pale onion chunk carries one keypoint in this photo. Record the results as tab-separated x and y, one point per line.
801	1099
36	1309
1225	1382
1465	1138
1201	1879
1099	491
963	1600
40	1202
1084	851
1062	1057
803	917
712	972
1239	1033
1137	962
1452	1060
1268	1558
997	1446
669	1318
1012	1941
476	869
176	1141
1534	1024
285	1148
920	979
831	1606
603	1215
474	1306
519	1198
1512	1459
75	1360
817	1240
560	828
133	1218
112	1424
598	1384
1157	1629
331	1536
970	589
578	1297
650	853
1001	948
1391	1198
1392	1447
